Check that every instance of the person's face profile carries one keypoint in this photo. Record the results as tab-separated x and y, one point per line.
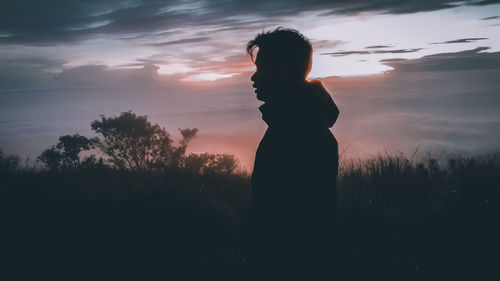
264	79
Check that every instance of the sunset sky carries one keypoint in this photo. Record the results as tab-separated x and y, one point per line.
405	74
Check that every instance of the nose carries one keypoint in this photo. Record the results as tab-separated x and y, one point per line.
254	77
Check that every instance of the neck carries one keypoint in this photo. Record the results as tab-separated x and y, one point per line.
295	84
286	91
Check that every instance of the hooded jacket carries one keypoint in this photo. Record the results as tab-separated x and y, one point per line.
296	162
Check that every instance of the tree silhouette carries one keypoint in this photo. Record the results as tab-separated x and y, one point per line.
132	142
179	152
205	163
9	163
66	153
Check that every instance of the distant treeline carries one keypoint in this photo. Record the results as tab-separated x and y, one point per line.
131	142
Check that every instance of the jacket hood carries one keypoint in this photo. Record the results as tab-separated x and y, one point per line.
310	105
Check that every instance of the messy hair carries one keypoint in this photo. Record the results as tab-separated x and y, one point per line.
283	48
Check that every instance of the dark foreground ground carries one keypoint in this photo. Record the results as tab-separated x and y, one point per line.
399	220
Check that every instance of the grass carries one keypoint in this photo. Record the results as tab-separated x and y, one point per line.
401	188
401	218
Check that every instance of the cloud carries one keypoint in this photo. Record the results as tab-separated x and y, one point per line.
463	40
28	72
323	44
151	61
180	41
475	59
155	70
444	102
399	7
42	73
491	18
378	47
237	63
51	23
400	51
346	53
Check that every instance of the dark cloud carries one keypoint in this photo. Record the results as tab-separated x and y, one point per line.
145	61
180	41
50	22
400	51
378	47
491	18
346	53
45	22
27	72
41	73
148	36
42	15
474	59
399	7
151	61
483	2
134	64
463	40
246	26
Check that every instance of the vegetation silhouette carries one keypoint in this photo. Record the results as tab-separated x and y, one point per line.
66	153
400	218
131	200
292	222
132	142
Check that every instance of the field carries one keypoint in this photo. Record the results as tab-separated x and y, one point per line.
400	218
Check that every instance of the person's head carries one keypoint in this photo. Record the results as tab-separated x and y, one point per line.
283	58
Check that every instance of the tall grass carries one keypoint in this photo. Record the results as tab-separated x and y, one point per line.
399	187
402	218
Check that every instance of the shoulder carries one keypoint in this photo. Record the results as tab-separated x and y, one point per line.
315	85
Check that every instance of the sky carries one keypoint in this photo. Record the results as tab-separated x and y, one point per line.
406	75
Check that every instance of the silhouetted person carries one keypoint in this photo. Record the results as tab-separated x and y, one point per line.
296	163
